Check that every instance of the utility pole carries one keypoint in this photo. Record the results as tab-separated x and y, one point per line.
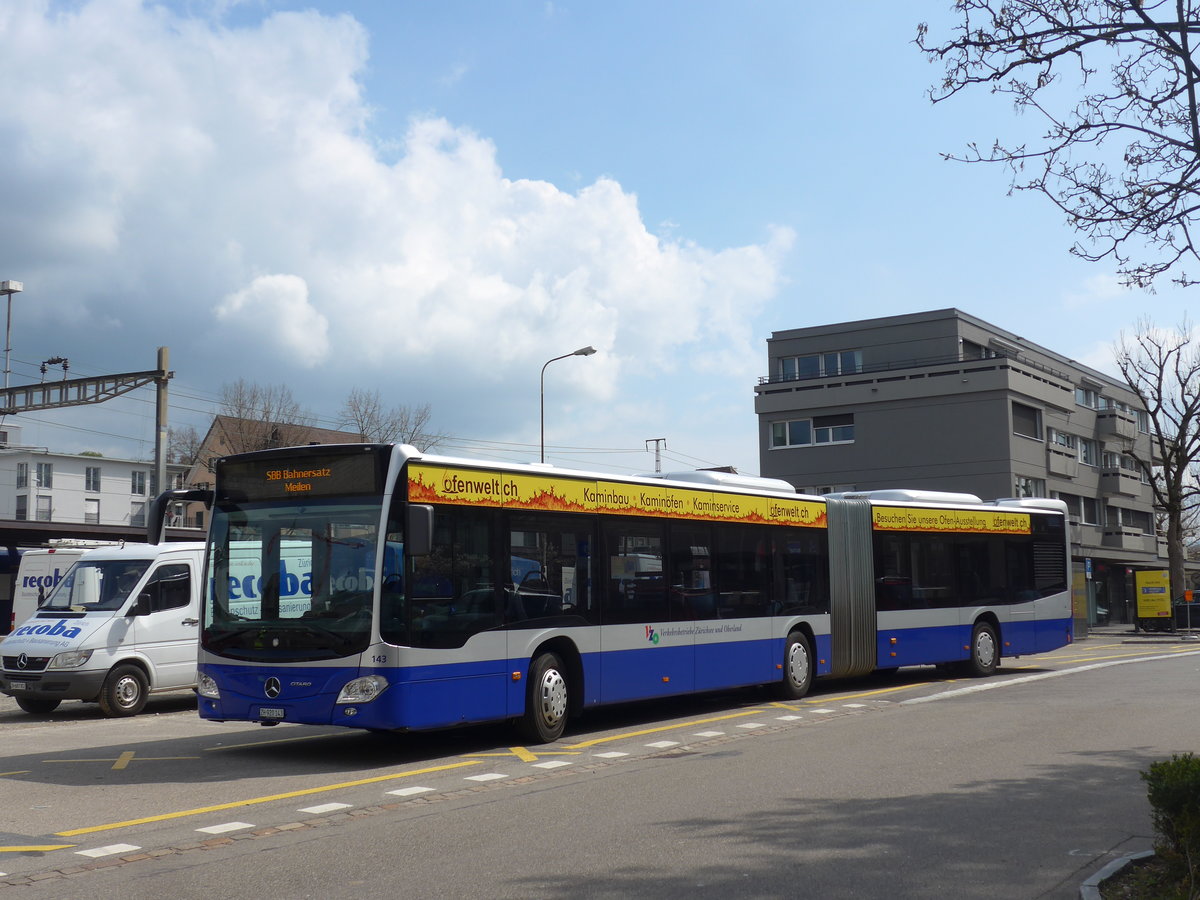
659	444
160	422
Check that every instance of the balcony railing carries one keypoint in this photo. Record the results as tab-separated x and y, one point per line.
921	363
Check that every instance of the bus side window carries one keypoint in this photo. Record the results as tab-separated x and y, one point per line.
636	590
453	590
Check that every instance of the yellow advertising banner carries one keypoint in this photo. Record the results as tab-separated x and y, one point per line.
905	518
1153	593
429	483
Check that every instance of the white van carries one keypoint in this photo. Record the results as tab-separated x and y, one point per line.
121	624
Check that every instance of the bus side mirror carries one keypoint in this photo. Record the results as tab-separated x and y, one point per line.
418	534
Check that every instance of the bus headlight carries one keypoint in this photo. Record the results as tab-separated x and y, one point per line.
207	687
71	659
362	690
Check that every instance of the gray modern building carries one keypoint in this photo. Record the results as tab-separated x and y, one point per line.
944	401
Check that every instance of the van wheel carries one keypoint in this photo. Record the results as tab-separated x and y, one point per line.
124	692
546	701
37	706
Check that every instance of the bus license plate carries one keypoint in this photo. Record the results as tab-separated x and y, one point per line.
271	712
17	686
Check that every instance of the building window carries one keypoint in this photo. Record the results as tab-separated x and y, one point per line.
199	523
45	475
44	508
91	479
838	429
820	365
138	485
1091	511
22	475
1143	420
1027	421
1089	452
1061	439
91	511
137	514
1030	487
1113	460
1087	397
22	513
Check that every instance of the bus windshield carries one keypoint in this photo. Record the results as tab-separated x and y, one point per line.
96	586
291	581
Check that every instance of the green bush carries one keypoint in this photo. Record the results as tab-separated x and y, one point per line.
1174	793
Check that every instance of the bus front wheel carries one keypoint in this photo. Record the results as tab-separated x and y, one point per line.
797	667
546	698
985	651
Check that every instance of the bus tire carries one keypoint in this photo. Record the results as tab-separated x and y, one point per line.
797	667
124	691
546	701
37	706
985	651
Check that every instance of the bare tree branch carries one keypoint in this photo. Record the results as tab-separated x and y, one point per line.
1123	162
260	418
364	413
1163	369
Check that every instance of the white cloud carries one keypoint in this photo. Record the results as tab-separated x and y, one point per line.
1102	288
159	167
275	309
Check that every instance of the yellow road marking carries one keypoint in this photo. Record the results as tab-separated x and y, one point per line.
292	740
37	848
523	754
122	761
632	734
18	772
254	801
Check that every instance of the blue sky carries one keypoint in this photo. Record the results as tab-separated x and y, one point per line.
432	199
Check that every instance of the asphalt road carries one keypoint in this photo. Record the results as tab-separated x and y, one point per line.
1016	786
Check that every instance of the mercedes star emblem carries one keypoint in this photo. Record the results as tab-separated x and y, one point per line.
272	687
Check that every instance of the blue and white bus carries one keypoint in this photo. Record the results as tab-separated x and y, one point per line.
376	587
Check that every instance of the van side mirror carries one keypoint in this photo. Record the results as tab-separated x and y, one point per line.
418	534
141	606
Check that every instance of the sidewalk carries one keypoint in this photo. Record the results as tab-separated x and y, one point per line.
1129	633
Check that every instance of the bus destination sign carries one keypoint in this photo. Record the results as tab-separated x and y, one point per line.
299	476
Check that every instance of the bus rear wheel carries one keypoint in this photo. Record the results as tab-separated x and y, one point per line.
546	701
985	651
797	667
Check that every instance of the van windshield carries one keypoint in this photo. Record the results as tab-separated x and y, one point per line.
99	585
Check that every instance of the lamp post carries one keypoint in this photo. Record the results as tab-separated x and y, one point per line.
582	351
8	288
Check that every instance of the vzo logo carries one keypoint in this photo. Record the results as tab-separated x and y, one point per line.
652	635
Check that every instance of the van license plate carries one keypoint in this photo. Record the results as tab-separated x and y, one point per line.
271	712
18	686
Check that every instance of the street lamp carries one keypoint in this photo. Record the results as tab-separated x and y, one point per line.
8	288
582	351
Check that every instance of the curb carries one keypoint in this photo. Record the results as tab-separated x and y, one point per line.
1090	889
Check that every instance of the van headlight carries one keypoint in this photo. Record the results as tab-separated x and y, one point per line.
71	659
362	690
206	686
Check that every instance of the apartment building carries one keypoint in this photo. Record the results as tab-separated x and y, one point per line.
944	401
39	485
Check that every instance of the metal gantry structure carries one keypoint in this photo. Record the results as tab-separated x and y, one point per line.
24	398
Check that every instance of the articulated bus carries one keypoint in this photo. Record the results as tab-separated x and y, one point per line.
377	587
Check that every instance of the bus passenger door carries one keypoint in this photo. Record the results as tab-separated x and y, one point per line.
648	651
